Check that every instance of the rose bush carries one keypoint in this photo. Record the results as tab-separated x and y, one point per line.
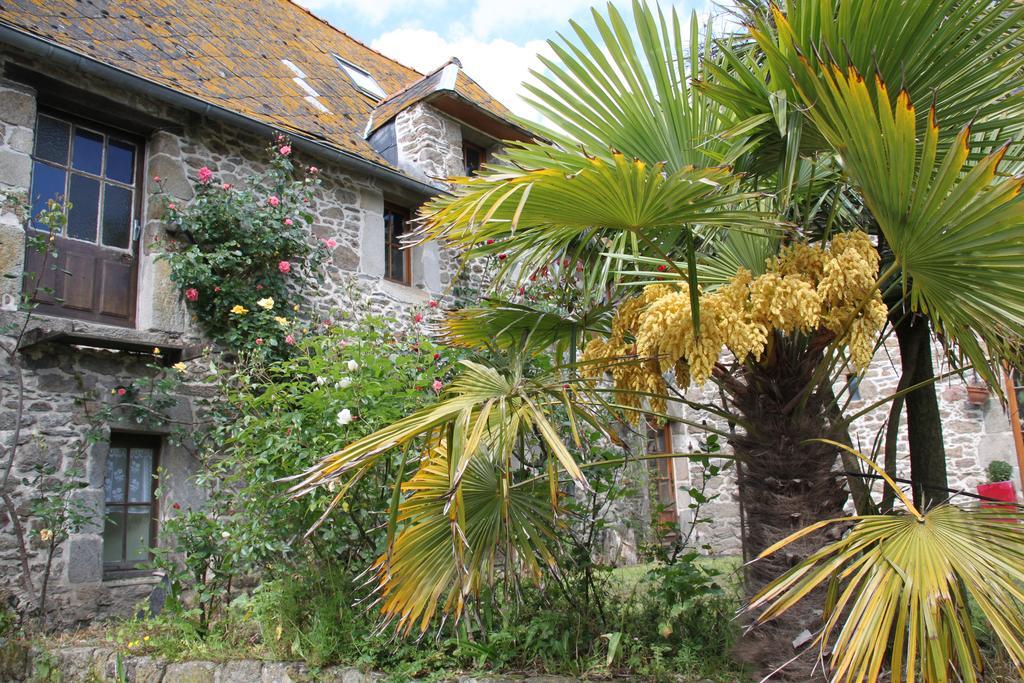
244	258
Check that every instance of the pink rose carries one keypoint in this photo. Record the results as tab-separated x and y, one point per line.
216	289
121	391
259	287
418	318
171	206
192	294
314	170
433	303
289	339
289	221
225	186
273	200
156	179
205	175
259	341
437	386
284	267
330	243
285	150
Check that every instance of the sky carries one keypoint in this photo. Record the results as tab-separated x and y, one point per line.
497	41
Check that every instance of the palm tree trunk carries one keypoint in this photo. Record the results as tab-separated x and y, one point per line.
924	423
789	482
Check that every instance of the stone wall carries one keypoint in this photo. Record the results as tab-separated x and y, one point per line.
348	208
87	664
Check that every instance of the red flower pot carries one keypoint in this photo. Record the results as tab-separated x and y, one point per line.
1001	491
977	396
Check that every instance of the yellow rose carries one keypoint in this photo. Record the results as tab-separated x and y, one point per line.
156	350
239	309
266	304
180	367
283	322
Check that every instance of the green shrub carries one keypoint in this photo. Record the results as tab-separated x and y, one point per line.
998	470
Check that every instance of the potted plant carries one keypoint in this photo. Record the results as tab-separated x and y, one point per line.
999	486
977	393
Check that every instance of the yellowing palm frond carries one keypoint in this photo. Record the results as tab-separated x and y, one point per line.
906	583
956	229
442	560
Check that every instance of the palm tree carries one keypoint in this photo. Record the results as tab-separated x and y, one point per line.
963	58
630	135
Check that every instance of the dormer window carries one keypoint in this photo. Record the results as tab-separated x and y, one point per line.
362	79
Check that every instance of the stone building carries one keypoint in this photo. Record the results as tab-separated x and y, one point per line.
96	99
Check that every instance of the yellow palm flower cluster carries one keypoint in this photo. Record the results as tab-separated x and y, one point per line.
806	289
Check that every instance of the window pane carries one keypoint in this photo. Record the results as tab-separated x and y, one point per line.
137	531
140	475
52	137
47	183
84	195
120	161
87	154
117	216
114	482
113	536
396	263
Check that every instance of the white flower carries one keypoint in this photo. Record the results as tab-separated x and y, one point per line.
344	383
353	366
321	381
225	534
344	417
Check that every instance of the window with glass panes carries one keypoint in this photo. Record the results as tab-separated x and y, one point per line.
397	261
95	171
129	530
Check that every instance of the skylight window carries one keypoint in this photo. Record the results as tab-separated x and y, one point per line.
363	80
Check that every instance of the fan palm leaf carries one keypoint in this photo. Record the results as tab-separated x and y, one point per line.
956	229
904	583
963	54
440	559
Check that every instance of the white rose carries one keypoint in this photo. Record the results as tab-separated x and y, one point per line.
225	534
321	381
353	366
344	383
344	417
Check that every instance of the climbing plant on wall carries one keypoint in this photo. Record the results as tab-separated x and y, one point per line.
243	257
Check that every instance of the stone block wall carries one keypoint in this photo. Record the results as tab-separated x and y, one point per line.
348	207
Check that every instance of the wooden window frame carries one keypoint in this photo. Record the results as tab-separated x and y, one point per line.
672	503
136	186
391	243
466	146
124	568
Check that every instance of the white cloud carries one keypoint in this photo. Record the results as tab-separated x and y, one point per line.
489	16
374	11
498	65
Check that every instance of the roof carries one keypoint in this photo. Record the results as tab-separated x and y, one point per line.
448	81
268	60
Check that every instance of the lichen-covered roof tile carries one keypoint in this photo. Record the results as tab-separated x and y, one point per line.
229	54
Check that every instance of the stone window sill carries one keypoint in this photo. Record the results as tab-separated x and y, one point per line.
59	330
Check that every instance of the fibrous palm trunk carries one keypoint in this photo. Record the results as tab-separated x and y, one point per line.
788	482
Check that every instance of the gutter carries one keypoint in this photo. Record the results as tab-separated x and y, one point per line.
58	54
